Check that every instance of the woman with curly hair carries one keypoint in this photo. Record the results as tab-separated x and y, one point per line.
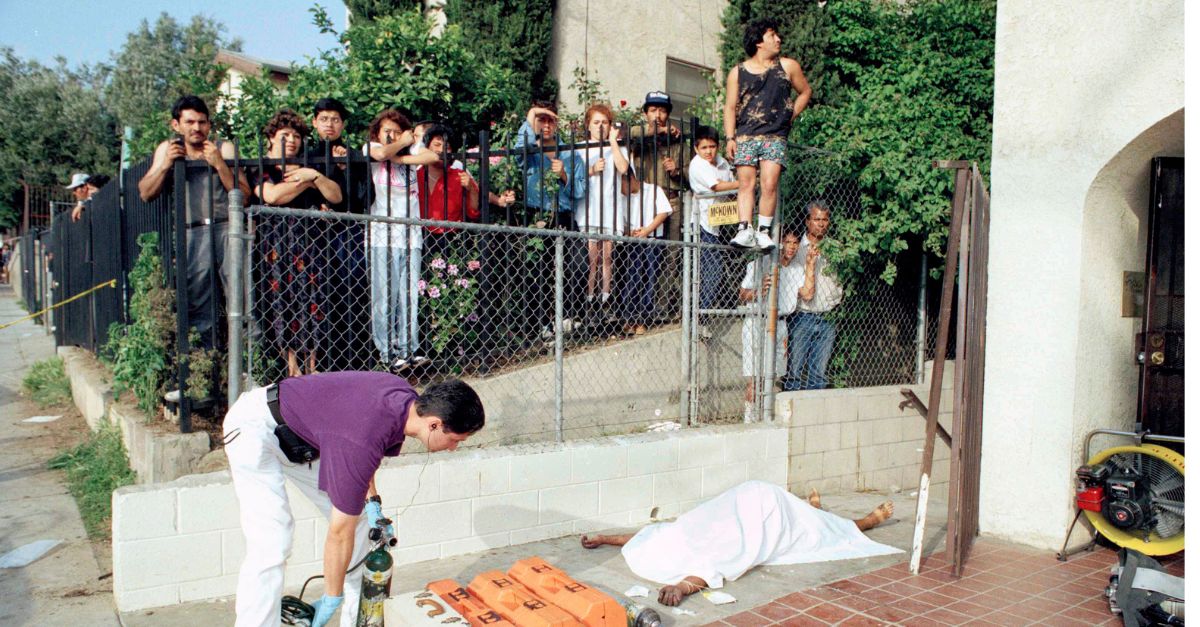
294	296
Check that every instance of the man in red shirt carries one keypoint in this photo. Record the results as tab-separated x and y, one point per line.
440	190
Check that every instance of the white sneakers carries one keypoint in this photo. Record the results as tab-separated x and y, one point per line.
744	238
751	238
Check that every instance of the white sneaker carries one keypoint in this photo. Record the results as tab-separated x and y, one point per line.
744	238
763	241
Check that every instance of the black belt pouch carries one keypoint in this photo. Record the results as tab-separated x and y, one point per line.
294	447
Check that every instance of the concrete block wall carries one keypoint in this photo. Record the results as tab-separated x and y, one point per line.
180	541
859	439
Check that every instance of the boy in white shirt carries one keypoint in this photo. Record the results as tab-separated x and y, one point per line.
709	172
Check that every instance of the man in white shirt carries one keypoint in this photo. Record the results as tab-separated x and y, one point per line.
753	292
709	173
811	330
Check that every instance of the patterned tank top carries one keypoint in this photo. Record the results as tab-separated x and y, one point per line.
764	107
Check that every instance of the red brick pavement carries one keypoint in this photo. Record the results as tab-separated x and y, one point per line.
1002	585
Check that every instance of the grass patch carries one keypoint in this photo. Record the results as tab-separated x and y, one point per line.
46	383
94	469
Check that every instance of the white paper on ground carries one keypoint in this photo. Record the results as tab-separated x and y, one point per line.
718	598
42	418
28	554
663	426
679	611
637	591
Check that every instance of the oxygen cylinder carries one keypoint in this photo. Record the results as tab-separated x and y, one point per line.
640	615
376	585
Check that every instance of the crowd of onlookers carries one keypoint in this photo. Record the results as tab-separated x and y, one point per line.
626	181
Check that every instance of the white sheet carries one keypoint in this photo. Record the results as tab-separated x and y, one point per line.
751	524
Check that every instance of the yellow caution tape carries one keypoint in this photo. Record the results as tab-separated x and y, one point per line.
112	283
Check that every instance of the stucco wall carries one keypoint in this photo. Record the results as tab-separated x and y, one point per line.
1073	89
628	42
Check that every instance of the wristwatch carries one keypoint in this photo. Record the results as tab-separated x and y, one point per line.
375	499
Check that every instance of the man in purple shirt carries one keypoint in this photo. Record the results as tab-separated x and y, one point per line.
345	423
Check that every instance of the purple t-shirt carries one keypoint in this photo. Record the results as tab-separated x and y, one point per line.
354	419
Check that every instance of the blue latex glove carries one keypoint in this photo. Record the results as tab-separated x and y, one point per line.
374	512
324	608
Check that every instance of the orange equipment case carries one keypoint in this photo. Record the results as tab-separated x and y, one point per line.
517	603
589	605
475	611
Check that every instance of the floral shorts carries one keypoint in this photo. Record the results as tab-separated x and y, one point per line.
752	150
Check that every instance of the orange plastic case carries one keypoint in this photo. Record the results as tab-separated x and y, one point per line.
589	605
517	603
475	611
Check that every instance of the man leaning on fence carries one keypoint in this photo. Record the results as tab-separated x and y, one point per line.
206	204
811	330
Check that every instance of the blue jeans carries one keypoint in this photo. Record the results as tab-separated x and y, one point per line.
710	270
640	269
810	344
393	297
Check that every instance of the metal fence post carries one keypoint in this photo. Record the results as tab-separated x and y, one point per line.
558	338
687	324
771	324
182	303
919	367
235	257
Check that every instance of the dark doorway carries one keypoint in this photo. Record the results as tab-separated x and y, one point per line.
1160	389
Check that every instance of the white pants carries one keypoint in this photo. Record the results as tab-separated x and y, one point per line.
258	467
754	346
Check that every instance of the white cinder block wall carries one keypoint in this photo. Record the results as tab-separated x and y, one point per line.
180	541
859	439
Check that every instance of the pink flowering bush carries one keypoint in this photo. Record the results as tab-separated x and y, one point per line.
448	300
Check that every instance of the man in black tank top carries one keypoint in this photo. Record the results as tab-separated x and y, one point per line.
759	112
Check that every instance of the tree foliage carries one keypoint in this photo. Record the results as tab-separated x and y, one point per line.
513	34
367	10
52	123
159	63
388	62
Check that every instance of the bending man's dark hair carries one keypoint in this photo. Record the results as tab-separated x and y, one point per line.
706	132
755	31
456	403
188	103
789	229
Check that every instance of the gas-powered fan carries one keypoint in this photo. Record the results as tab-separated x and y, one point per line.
1133	495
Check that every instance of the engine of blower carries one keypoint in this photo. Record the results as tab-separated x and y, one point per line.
1119	494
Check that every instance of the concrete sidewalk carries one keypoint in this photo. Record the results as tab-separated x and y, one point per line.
67	586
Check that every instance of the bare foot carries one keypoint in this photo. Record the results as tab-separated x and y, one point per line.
877	516
590	543
814	498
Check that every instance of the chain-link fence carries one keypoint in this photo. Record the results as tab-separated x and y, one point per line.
517	311
869	325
